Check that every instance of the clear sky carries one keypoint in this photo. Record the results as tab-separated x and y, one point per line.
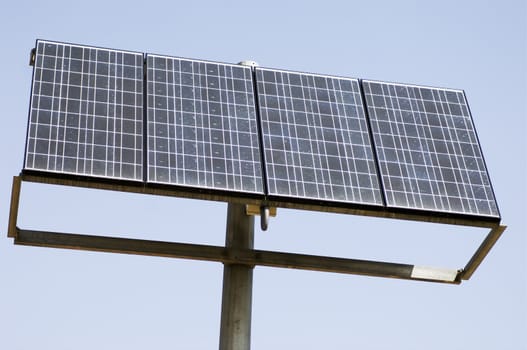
61	299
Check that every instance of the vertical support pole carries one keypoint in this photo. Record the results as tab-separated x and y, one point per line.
236	307
13	212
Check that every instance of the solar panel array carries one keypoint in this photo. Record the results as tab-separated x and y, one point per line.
428	152
202	126
298	136
86	114
315	137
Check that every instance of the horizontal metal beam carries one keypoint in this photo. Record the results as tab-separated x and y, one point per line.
175	191
234	256
140	188
119	245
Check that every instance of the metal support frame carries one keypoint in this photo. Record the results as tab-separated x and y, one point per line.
243	254
239	258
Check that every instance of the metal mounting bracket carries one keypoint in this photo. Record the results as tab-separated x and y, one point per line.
265	212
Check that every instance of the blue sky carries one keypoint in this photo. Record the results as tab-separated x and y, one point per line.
60	299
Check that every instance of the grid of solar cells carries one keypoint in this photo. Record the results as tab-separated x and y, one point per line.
86	112
202	126
428	151
316	138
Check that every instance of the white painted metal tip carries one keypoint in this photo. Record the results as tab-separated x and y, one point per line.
435	274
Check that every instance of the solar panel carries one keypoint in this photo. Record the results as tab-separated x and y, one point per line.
428	151
316	138
201	130
202	126
86	112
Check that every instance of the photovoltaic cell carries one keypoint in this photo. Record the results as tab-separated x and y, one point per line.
202	126
316	138
428	151
86	112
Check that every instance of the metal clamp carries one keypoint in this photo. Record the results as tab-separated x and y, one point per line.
264	211
264	217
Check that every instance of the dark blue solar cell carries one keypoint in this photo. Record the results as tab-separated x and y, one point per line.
86	107
315	137
429	155
202	126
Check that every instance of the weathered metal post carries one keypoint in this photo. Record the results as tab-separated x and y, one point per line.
235	330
